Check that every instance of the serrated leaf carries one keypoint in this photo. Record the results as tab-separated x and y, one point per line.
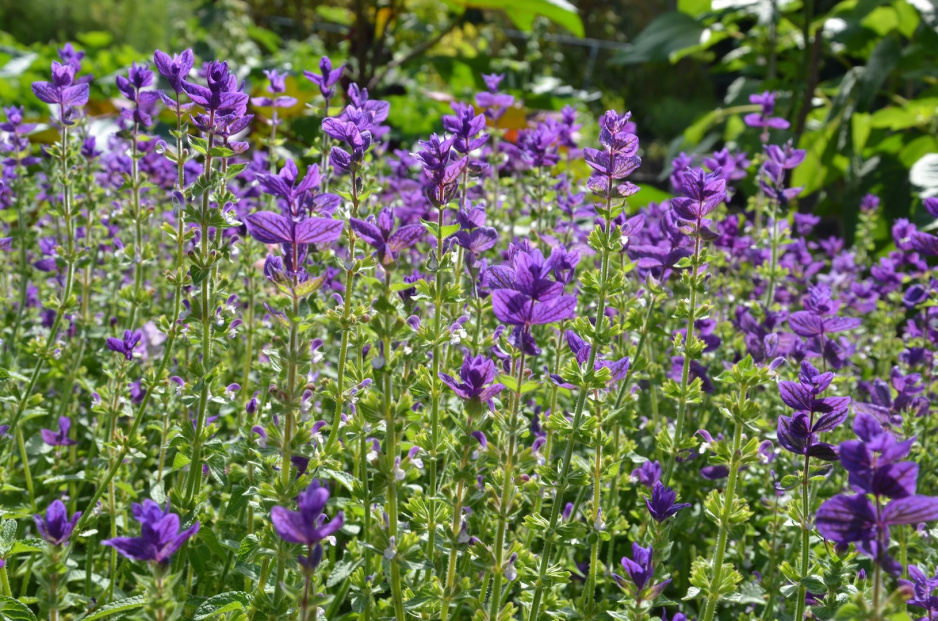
15	610
121	605
223	603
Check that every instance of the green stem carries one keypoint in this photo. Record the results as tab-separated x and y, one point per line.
195	466
685	371
436	388
346	325
577	421
138	230
597	508
729	499
805	540
66	294
504	504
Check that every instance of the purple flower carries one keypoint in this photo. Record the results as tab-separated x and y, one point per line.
284	184
277	85
581	351
641	572
662	504
477	374
873	461
62	90
494	102
159	538
854	519
922	587
466	125
59	438
473	235
56	527
271	228
221	96
175	69
126	345
307	526
764	118
326	78
539	145
138	77
703	193
441	169
648	473
70	56
797	433
523	294
379	233
875	469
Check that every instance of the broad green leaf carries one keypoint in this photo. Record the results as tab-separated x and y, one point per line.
222	603
523	12
121	605
15	610
667	34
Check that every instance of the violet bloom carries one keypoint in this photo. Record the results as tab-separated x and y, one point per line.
126	345
477	374
662	504
221	96
641	572
56	527
442	171
277	85
307	526
888	410
379	233
284	184
798	433
581	351
473	235
159	538
466	125
772	180
819	320
138	77
873	461
59	438
62	91
175	69
355	127
326	78
764	118
925	243
703	193
617	160
495	103
875	469
648	473
922	588
539	146
523	294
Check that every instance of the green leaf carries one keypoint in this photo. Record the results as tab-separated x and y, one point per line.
121	605
882	61
341	571
15	610
523	12
667	34
223	603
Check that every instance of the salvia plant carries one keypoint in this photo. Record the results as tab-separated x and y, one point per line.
475	377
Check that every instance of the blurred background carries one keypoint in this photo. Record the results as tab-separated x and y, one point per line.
857	79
